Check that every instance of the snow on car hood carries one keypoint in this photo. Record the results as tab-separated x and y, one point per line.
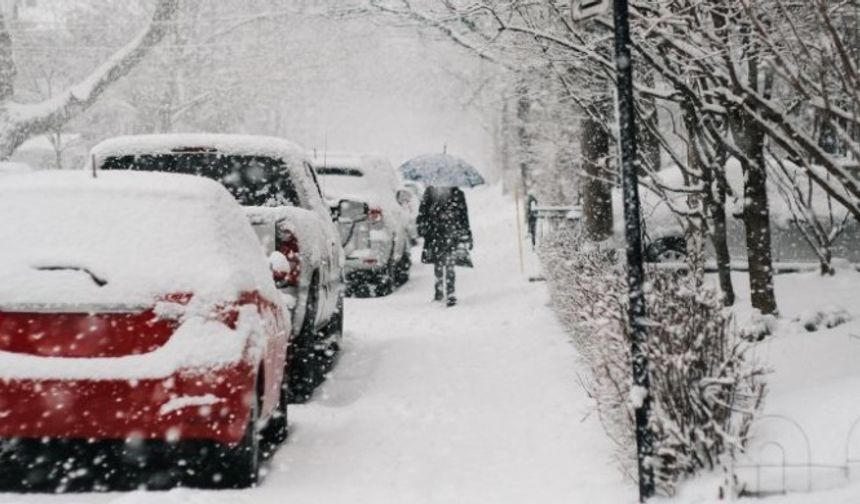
123	239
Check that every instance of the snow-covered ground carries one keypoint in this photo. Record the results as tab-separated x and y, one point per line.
479	403
814	394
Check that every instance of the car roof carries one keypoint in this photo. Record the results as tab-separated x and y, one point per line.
248	145
340	161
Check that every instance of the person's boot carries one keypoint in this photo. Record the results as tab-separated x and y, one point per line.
438	296
452	301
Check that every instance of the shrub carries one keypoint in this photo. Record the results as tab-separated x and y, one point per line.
704	390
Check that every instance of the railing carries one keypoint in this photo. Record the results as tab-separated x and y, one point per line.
813	470
544	220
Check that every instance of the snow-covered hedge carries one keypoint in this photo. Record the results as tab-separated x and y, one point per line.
705	391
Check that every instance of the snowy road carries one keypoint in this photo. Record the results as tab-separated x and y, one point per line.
475	404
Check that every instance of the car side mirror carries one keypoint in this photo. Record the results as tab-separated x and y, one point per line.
280	266
348	211
404	197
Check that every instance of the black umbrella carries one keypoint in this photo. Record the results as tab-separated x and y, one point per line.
441	170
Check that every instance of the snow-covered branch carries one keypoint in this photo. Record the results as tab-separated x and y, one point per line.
20	121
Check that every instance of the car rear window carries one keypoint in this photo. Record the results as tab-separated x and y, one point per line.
252	180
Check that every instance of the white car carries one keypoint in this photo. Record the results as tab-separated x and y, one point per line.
264	173
378	247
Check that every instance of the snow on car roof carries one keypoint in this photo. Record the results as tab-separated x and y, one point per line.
251	145
124	238
340	161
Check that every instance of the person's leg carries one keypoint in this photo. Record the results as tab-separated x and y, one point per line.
439	271
450	281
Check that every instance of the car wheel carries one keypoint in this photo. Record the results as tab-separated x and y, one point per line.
672	249
334	334
302	370
386	280
277	430
240	464
402	269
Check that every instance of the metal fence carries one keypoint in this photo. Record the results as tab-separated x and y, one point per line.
544	220
794	473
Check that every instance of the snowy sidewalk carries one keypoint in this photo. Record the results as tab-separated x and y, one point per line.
479	403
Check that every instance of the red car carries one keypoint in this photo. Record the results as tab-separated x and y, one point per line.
138	313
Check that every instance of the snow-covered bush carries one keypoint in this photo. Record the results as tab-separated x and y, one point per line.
704	390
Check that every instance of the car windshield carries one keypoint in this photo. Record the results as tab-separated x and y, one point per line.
252	180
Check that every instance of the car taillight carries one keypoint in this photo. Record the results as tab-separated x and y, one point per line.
287	244
174	307
374	214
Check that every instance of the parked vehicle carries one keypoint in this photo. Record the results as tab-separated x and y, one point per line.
138	317
378	255
263	172
664	231
382	167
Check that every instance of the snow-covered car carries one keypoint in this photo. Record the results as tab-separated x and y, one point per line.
378	248
407	196
664	230
264	173
139	314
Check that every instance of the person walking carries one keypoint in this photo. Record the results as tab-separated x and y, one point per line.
443	222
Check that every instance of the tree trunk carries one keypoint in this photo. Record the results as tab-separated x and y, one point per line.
596	186
827	263
750	136
523	136
757	218
8	69
695	226
716	197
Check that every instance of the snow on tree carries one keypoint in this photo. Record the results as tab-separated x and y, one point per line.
20	121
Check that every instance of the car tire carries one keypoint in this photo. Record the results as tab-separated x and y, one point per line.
277	430
385	281
334	335
402	269
303	368
670	249
239	466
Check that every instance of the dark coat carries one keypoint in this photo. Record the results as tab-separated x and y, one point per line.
443	222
